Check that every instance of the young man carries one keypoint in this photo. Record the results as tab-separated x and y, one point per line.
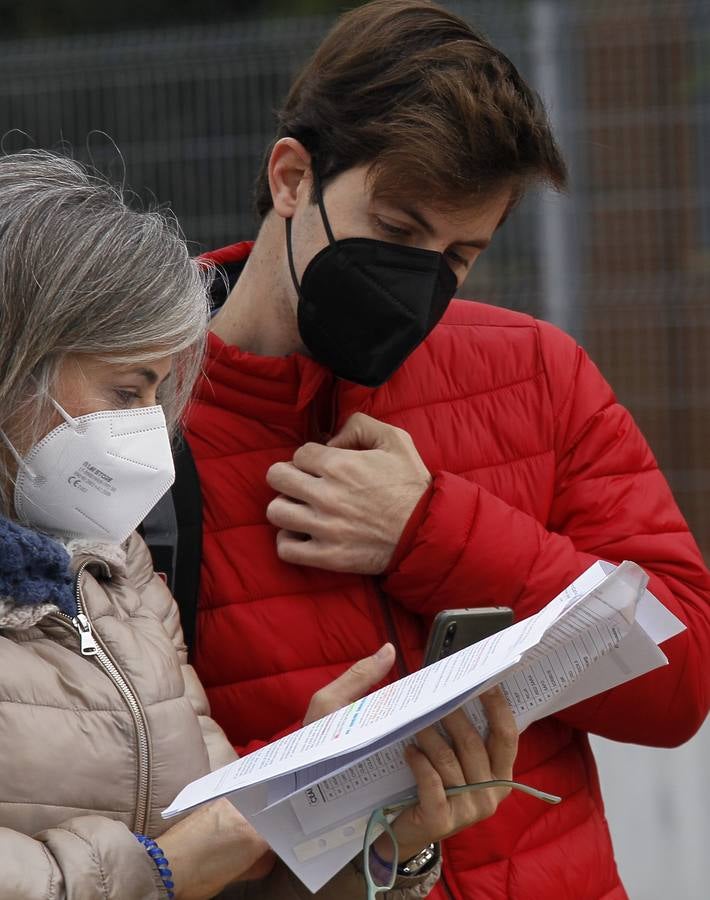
370	453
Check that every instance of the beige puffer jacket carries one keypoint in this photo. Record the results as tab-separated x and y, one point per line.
94	747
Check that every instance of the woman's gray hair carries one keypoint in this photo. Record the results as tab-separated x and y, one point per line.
82	273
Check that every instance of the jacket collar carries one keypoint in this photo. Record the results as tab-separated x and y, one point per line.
37	572
35	576
276	388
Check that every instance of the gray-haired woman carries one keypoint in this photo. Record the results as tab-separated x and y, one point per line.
102	721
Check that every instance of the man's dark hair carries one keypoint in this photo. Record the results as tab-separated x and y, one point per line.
414	91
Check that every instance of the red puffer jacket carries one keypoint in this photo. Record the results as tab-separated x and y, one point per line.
537	473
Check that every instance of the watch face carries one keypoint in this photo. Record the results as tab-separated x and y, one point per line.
418	863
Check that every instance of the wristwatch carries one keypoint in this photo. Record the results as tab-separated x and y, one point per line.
419	864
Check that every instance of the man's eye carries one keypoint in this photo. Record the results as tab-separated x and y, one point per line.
390	229
459	260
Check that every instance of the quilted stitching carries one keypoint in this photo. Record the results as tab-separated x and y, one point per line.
512	406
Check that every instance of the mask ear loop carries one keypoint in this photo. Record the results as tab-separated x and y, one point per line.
289	253
317	187
72	423
326	224
21	464
60	409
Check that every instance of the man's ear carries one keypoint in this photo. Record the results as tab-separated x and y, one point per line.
289	170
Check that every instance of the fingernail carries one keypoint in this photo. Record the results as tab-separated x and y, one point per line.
384	652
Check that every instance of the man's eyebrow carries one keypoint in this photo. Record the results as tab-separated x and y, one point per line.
479	245
414	213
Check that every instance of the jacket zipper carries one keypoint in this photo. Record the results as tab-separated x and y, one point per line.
402	670
387	618
90	646
390	628
323	412
323	421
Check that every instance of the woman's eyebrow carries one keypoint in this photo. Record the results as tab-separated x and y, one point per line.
150	375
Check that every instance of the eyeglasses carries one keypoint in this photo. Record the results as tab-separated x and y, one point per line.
379	823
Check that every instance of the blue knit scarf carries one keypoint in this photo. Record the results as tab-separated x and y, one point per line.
34	569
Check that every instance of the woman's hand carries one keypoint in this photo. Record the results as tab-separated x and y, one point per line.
215	845
357	681
212	847
437	766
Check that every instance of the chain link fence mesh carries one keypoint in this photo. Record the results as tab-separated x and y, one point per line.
623	262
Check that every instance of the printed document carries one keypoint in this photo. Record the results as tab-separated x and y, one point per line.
310	793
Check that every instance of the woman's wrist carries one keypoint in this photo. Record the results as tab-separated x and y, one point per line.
161	863
211	848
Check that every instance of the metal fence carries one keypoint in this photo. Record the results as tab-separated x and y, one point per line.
623	262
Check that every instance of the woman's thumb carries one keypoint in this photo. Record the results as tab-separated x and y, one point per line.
357	681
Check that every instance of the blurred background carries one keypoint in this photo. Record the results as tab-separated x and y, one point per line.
179	98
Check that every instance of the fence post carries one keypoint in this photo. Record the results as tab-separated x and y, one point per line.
555	243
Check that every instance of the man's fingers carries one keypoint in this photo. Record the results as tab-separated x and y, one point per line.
286	478
357	681
311	458
502	742
297	518
299	549
362	432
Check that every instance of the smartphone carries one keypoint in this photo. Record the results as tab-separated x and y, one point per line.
454	629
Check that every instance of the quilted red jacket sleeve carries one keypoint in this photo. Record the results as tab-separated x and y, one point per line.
611	502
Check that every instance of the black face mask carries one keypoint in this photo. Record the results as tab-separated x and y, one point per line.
365	305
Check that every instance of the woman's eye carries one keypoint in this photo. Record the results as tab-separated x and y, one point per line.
126	398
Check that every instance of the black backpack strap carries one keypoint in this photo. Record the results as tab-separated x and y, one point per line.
160	532
173	528
173	532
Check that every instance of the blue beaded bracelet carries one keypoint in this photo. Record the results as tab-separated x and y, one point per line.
161	862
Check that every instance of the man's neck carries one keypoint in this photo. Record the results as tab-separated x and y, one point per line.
258	315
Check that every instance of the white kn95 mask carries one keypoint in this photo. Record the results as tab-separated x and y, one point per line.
97	476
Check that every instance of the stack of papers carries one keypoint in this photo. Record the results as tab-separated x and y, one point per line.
310	794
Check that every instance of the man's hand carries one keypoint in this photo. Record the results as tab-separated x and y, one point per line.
343	506
436	766
359	680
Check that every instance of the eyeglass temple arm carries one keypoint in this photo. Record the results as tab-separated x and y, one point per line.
480	786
